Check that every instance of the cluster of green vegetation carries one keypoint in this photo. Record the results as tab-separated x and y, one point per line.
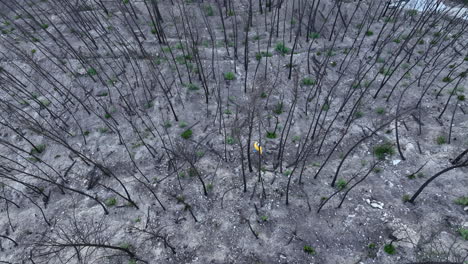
383	150
282	49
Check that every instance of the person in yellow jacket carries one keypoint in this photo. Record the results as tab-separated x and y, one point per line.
258	148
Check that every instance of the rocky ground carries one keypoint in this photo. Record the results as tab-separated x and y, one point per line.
126	130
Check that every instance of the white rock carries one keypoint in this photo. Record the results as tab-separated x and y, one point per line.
395	162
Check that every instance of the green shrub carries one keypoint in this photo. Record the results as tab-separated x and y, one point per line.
372	246
341	184
308	82
103	129
167	124
193	87
369	33
383	150
314	35
464	233
358	114
447	79
282	49
309	250
406	198
229	76
278	108
38	149
461	97
262	54
111	202
271	135
101	94
230	140
209	10
390	249
380	110
462	200
92	71
441	140
186	134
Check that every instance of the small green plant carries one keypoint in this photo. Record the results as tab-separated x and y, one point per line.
405	198
230	140
193	87
167	124
461	97
412	12
369	33
421	42
111	202
287	172
358	114
295	139
464	233
372	246
86	133
380	110
103	129
102	94
186	134
229	76
380	60
263	95
412	176
308	82
314	35
92	71
282	49
377	170
45	102
264	218
389	249
462	200
271	135
182	124
44	26
278	108
209	186
383	150
33	51
341	184
260	55
309	250
397	40
447	79
38	149
107	116
209	10
441	140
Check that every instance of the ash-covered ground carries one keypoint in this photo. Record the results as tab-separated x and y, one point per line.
129	132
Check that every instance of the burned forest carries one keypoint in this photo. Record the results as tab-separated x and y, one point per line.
234	131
